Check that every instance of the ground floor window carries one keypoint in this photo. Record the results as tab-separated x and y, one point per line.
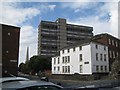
81	68
97	68
66	69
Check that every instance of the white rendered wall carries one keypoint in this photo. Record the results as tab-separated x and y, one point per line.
75	61
88	56
98	62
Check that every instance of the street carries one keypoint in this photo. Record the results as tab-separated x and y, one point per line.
77	84
97	83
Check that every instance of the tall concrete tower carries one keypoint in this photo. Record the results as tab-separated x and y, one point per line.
119	19
53	36
27	54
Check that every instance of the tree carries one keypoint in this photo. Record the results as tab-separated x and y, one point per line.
115	68
20	67
23	67
38	63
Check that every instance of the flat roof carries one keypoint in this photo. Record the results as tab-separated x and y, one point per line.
74	25
81	43
9	25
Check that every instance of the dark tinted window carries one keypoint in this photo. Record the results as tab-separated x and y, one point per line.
13	80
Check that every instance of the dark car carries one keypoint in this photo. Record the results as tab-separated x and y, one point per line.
44	79
30	85
10	79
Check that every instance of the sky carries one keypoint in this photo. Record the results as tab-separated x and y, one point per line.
102	16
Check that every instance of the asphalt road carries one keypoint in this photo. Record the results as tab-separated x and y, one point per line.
69	83
76	84
98	83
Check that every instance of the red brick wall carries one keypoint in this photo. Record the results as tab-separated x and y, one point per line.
10	48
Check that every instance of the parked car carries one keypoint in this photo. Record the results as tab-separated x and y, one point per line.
30	85
44	79
10	79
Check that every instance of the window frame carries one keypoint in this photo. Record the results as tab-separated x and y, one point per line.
80	57
97	57
80	48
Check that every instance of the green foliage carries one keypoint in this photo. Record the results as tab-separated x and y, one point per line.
115	68
35	64
23	68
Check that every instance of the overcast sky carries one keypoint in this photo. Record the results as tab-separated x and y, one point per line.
102	16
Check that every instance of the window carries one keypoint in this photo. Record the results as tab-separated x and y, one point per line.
101	57
113	42
81	69
105	48
101	68
105	68
58	60
63	69
97	68
113	54
63	59
104	57
54	61
97	56
68	69
80	47
86	62
73	49
109	41
96	46
116	44
68	50
80	57
41	87
68	59
110	54
54	68
58	68
62	51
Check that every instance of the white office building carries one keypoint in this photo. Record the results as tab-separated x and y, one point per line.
86	58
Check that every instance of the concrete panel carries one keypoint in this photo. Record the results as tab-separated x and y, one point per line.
119	19
0	50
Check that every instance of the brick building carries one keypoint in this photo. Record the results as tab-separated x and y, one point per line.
10	48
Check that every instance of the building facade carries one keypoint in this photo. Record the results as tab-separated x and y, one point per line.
85	59
52	36
10	49
113	44
0	51
119	20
